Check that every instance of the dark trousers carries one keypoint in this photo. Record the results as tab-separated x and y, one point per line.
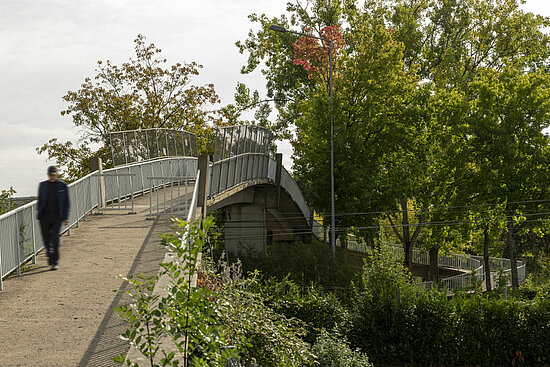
50	225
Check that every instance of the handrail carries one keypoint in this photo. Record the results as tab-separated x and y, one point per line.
470	263
233	171
20	242
193	206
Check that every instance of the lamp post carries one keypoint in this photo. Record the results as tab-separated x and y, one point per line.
278	28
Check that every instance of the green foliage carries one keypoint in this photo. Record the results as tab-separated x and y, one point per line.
436	104
538	282
257	331
226	315
142	93
5	200
384	275
318	310
182	317
427	328
334	351
304	264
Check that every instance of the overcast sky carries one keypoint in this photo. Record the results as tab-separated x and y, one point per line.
48	47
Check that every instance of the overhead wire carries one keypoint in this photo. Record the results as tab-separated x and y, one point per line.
438	208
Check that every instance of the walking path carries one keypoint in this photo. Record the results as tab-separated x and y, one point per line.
65	317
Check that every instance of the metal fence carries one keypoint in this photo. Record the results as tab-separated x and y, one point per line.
230	172
170	195
241	154
236	140
133	146
471	264
20	238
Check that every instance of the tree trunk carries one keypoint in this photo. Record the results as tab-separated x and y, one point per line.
510	240
486	263
434	265
407	245
406	239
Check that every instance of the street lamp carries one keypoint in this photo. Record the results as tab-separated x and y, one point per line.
280	29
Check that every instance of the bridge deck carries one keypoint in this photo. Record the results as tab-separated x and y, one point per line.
65	317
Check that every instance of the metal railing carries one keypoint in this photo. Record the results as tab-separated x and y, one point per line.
471	264
166	194
230	172
20	238
237	170
134	146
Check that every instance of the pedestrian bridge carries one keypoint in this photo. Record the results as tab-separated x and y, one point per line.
157	175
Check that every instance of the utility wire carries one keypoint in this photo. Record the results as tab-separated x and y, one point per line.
345	229
436	208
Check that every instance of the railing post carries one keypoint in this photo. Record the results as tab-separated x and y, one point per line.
1	271
17	245
33	237
96	164
76	205
132	211
278	171
203	166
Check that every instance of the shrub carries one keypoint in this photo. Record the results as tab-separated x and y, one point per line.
333	351
184	315
304	263
425	329
257	331
317	309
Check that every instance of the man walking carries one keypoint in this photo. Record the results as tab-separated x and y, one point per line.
53	209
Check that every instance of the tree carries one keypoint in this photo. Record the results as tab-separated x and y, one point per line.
6	204
371	119
508	152
143	93
418	147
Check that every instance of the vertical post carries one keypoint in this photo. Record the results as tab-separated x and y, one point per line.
17	245
167	144
151	200
278	171
185	200
179	196
33	239
235	180
124	147
221	160
228	161
112	150
157	140
1	273
332	204
213	163
147	144
132	211
204	166
96	164
183	143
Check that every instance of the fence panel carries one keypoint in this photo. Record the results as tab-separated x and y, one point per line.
20	238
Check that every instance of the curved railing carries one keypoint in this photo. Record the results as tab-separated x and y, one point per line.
472	265
237	170
20	239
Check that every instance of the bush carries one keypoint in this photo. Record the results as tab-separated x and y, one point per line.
426	328
258	332
331	351
317	309
304	263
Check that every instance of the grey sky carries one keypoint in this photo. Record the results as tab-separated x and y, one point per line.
48	47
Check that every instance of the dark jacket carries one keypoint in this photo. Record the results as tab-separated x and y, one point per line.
63	203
